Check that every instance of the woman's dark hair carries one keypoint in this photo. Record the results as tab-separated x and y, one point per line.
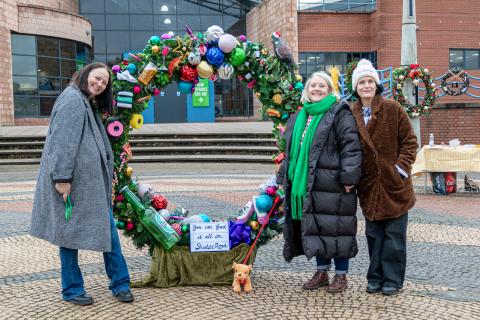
103	101
377	92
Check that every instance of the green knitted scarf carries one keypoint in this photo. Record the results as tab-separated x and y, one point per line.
300	151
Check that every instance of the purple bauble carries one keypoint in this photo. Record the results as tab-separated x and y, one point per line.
116	68
242	38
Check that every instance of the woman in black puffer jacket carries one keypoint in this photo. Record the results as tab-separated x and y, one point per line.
321	167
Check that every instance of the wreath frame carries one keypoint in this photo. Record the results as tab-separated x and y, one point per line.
417	74
456	72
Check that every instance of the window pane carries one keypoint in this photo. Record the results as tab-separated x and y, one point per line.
48	67
192	21
164	6
118	21
24	85
100	58
81	52
47	46
22	44
139	39
141	6
187	7
114	59
25	106
24	65
141	22
116	6
164	22
456	58
46	105
471	59
65	83
99	42
67	49
207	21
68	68
49	86
97	20
117	42
91	6
210	7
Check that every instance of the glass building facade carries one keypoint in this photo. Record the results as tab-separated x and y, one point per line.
310	62
337	5
42	68
121	26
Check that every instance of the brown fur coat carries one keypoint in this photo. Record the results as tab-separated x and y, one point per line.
387	140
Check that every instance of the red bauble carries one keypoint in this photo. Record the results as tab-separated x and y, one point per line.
188	73
130	226
159	202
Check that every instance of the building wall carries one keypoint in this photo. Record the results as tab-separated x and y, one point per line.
55	18
441	25
268	17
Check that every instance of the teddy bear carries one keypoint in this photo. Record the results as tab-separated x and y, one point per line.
241	277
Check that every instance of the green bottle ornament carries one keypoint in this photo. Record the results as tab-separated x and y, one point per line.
152	220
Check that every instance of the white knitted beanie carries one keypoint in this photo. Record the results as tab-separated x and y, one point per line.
364	68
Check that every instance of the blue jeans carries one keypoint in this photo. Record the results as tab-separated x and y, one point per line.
341	265
115	266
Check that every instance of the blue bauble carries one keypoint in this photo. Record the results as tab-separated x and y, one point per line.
264	203
204	217
132	68
185	87
215	56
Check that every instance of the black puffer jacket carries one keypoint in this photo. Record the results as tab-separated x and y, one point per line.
329	224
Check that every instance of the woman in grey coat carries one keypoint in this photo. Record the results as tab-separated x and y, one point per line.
76	168
321	166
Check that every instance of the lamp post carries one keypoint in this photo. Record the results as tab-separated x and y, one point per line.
409	56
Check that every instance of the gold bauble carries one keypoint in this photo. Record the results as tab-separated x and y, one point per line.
155	49
299	78
277	98
254	225
129	171
204	70
258	94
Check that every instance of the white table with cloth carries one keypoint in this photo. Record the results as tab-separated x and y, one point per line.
443	158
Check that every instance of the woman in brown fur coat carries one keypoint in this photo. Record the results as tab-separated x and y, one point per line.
385	191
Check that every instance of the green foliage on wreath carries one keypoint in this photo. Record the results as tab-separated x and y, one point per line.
165	60
348	75
417	74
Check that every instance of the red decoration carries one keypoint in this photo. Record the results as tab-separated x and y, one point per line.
159	202
188	73
125	62
130	226
137	89
119	198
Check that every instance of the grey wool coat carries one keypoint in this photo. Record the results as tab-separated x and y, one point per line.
329	224
77	150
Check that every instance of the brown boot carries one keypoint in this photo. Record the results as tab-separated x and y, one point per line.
319	279
339	284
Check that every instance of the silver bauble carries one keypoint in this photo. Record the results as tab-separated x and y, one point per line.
213	33
194	58
225	71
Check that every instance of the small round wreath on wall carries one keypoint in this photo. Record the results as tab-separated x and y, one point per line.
417	74
348	75
455	75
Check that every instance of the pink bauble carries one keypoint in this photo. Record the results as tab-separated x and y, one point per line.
156	92
177	227
271	190
137	89
130	226
227	43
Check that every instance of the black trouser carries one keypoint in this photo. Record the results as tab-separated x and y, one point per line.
387	248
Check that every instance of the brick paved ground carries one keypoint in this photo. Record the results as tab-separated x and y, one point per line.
442	280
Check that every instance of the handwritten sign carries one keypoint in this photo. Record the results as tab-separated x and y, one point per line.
209	236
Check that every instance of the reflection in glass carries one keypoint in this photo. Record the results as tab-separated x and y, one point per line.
456	58
47	46
46	105
23	44
68	68
159	22
24	85
116	6
164	6
471	59
49	86
48	67
24	65
25	106
67	49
